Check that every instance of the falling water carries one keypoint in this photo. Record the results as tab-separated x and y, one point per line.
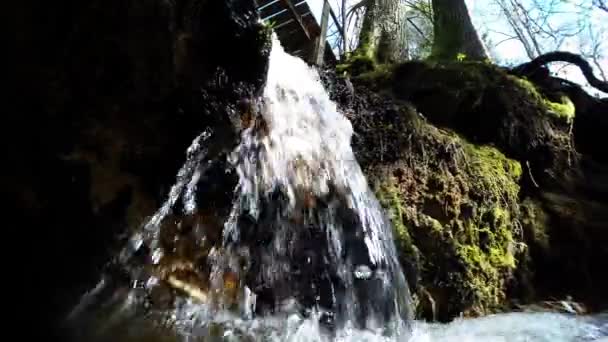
306	250
305	195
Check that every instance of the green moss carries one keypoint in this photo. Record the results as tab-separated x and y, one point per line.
488	257
356	64
364	61
366	50
487	247
459	202
378	77
367	44
500	172
564	109
390	198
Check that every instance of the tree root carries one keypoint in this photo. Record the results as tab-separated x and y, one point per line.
539	62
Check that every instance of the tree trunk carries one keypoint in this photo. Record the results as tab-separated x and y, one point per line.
455	35
382	35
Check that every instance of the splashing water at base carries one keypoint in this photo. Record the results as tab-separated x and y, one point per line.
517	327
510	327
306	239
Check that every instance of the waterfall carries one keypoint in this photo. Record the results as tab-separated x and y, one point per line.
306	252
314	227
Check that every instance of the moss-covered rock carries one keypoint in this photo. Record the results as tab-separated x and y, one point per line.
490	199
488	106
454	208
562	109
453	204
356	64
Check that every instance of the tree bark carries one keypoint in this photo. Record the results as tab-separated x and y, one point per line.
382	35
455	34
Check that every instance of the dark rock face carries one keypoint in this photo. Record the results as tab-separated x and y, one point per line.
107	97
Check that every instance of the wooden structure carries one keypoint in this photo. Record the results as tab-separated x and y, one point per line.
298	30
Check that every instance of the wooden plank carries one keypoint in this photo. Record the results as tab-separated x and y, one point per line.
296	16
319	53
311	24
282	15
278	5
294	40
288	33
296	27
265	3
271	9
284	23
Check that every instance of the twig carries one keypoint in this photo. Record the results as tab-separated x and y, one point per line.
530	174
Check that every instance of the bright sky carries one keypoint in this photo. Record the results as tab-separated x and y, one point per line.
316	6
487	18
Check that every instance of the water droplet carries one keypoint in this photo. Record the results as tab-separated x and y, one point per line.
363	272
156	256
152	281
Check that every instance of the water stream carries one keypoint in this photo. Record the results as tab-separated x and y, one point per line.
306	253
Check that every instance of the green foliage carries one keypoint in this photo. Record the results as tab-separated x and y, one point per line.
461	57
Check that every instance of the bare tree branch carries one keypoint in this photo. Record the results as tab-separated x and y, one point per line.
505	40
361	4
601	4
515	24
424	10
418	29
